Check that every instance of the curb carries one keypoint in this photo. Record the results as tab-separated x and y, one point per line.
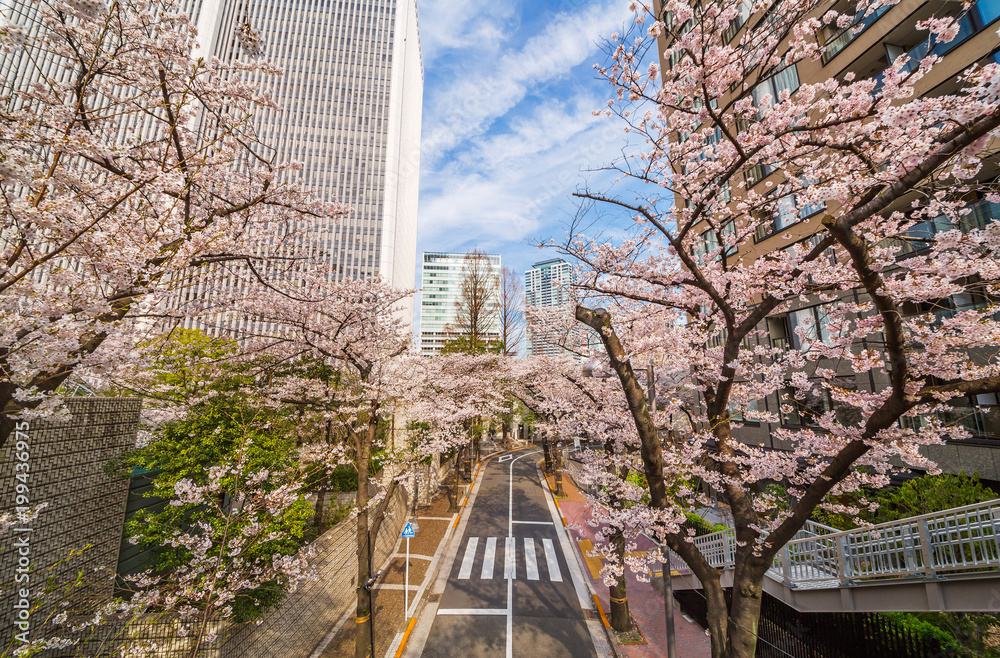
604	623
598	628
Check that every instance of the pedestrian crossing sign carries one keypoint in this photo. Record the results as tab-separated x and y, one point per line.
408	531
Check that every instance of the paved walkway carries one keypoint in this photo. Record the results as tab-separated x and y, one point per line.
645	602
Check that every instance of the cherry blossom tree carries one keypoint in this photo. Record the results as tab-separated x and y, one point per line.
134	189
356	330
895	182
455	391
235	542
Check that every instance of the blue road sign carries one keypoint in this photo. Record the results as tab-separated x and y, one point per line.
408	531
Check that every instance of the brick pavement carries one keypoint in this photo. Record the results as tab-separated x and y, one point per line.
645	603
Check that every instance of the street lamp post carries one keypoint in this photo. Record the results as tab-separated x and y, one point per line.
668	586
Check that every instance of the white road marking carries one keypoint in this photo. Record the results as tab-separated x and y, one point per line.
472	611
551	561
510	558
488	558
510	619
534	522
572	559
413	556
470	556
530	561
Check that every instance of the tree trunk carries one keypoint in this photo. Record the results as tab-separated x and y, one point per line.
363	629
558	469
453	496
744	615
504	432
718	617
621	620
546	453
476	443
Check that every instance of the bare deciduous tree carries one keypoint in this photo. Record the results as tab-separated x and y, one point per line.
511	314
477	311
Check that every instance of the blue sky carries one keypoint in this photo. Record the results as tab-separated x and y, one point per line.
508	129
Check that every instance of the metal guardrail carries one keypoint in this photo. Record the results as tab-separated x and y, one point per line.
960	540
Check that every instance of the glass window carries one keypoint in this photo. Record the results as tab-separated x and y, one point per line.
742	14
815	321
785	79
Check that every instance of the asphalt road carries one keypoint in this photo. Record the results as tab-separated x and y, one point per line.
483	611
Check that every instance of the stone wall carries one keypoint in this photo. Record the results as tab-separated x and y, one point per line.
62	464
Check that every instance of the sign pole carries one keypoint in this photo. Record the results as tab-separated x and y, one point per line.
406	588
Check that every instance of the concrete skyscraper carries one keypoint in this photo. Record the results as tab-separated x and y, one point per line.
546	288
350	105
351	100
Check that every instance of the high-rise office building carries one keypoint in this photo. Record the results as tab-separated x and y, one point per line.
350	99
442	275
350	105
546	288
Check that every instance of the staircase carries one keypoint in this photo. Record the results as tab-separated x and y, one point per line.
945	561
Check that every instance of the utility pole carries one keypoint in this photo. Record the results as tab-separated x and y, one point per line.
668	586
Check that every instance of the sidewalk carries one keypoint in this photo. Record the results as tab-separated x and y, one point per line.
645	603
434	521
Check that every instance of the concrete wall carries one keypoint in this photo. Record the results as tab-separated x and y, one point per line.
65	468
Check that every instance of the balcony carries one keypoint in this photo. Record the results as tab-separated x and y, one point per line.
979	16
920	235
835	44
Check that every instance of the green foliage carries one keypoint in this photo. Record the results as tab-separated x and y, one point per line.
922	495
225	425
963	635
185	364
639	479
701	525
219	431
931	493
344	479
466	345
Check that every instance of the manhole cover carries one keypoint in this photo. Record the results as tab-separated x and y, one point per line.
433	598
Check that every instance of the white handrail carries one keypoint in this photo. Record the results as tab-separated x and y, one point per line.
962	539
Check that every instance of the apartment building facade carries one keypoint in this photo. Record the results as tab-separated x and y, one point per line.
553	330
865	50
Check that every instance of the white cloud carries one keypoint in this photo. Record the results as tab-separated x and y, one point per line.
470	105
508	185
447	25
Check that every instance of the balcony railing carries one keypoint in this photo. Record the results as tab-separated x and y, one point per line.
963	539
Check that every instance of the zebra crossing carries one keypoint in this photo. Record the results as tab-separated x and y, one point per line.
510	548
